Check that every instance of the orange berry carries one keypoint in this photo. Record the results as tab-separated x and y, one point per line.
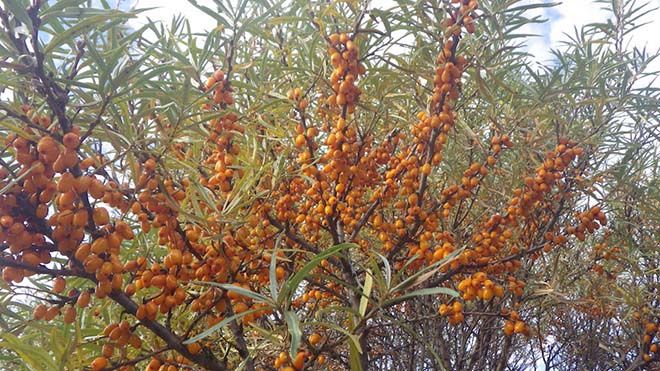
519	327
51	313
444	309
141	312
99	363
135	341
71	140
341	99
6	221
96	189
101	216
426	169
80	218
210	82
154	364
40	311
69	314
194	348
107	350
240	307
300	140
47	146
176	257
509	328
315	339
299	361
59	285
130	289
116	333
280	272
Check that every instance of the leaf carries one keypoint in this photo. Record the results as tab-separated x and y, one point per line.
335	308
366	293
259	298
217	15
425	273
421	292
286	19
388	270
352	337
272	271
293	324
36	358
84	26
59	9
220	325
481	85
355	352
18	9
291	285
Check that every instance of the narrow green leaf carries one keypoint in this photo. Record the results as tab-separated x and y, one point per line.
355	352
366	293
19	10
272	271
239	290
352	337
220	325
291	285
37	358
420	292
83	27
293	324
425	273
388	270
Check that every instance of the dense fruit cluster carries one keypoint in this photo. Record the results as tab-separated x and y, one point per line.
648	327
57	207
341	184
344	58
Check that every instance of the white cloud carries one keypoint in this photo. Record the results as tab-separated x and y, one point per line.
573	14
536	45
570	15
561	22
165	10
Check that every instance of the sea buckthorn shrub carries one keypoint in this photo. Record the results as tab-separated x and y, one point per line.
283	193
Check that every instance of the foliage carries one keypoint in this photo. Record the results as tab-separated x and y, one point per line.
326	185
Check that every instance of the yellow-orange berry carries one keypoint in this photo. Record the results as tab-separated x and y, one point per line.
71	140
99	363
194	348
299	361
40	311
315	339
59	285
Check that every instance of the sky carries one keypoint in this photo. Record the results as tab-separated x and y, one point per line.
562	18
570	14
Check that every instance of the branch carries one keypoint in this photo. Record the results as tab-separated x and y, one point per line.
136	360
40	269
205	359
